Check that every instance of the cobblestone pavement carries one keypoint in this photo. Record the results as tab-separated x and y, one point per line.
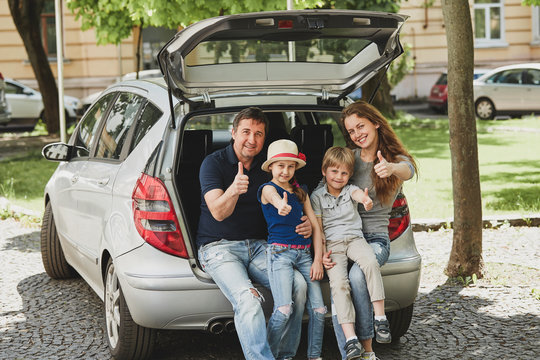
497	318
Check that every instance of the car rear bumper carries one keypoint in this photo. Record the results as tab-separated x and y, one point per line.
163	292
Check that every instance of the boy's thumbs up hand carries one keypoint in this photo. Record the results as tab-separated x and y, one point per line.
284	208
241	181
367	202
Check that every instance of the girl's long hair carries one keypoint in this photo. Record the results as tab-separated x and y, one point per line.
297	190
388	144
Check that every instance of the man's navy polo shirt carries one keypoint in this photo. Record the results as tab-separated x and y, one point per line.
218	171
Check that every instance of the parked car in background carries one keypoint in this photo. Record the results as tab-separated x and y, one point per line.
438	96
4	106
27	104
508	90
123	206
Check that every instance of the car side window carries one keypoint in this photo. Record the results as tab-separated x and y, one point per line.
532	77
507	77
88	128
13	89
149	117
116	128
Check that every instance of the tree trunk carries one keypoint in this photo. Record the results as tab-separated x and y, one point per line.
26	15
466	256
382	100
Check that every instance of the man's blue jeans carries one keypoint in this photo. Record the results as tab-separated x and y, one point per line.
282	261
233	265
380	243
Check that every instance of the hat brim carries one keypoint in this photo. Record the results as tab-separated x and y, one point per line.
300	163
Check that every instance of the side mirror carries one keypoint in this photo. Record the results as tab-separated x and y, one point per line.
28	92
57	152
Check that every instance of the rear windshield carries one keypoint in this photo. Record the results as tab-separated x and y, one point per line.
442	80
323	50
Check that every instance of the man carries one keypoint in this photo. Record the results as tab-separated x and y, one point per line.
232	234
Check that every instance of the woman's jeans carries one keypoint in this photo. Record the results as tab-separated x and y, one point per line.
380	242
282	261
233	265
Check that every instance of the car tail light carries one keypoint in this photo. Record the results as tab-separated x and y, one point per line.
155	218
1	76
399	217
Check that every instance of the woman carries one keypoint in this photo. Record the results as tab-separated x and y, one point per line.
381	164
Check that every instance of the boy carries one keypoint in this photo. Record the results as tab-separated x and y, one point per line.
335	206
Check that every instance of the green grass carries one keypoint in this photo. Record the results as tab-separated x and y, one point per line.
23	178
509	169
508	154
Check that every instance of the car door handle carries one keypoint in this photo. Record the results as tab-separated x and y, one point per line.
103	181
74	179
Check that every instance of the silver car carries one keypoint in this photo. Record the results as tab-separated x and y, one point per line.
27	104
508	90
122	208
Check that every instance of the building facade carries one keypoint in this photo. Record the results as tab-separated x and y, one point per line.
505	32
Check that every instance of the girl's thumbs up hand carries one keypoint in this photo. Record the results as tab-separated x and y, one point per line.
383	169
283	207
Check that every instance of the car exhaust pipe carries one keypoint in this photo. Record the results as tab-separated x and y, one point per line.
216	327
229	326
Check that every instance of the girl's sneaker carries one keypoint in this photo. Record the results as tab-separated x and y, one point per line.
382	332
353	349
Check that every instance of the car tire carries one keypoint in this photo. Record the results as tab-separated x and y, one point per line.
52	255
400	320
126	339
485	110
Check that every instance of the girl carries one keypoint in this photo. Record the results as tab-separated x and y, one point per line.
283	203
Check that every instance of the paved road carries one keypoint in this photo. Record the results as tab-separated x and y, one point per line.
42	318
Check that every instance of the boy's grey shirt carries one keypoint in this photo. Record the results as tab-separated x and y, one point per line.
339	215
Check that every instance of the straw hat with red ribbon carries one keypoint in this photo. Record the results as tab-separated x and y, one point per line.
284	150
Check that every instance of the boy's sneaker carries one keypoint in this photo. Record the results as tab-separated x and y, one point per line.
369	356
353	349
382	332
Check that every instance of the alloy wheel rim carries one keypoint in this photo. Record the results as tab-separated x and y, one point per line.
112	306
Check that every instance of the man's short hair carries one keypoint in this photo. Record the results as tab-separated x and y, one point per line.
253	113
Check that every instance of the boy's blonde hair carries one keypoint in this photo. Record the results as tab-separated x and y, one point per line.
338	156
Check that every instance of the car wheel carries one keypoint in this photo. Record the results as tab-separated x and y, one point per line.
125	338
399	321
52	255
485	110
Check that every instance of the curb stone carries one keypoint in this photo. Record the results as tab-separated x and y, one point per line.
488	222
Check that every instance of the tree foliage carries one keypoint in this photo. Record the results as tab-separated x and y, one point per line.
114	20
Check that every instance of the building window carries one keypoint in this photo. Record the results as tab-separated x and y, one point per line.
535	25
48	28
489	23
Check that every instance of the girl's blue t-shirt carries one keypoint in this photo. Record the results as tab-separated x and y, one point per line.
281	229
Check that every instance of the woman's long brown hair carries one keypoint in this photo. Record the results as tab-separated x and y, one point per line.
388	144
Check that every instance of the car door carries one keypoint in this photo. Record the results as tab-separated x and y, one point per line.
506	90
92	188
67	193
25	103
531	93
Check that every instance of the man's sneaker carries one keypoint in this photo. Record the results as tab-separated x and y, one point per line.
353	349
369	356
382	332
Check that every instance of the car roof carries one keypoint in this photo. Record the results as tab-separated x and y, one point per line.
509	67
